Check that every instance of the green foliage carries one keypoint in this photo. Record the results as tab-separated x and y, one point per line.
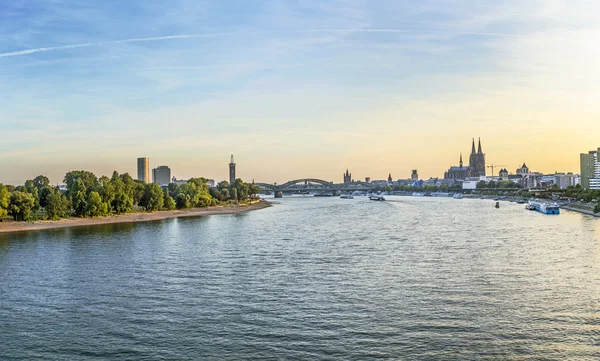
4	200
597	208
44	194
20	205
168	201
79	198
95	207
173	188
233	194
153	197
183	201
30	188
56	204
89	180
41	181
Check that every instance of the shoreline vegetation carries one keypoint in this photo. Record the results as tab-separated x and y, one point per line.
14	226
88	199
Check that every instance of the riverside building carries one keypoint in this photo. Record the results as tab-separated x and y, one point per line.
590	169
143	170
161	175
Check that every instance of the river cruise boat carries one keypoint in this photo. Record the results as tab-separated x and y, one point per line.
376	198
543	207
457	196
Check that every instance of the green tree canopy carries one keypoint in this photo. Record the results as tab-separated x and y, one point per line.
56	204
20	205
168	201
41	181
4	200
153	198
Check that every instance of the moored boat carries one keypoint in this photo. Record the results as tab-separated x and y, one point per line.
376	198
457	196
347	197
543	207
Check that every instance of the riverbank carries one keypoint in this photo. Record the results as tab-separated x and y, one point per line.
10	227
581	209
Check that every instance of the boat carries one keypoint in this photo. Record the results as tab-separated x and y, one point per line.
376	198
347	197
457	196
497	204
543	207
521	201
418	194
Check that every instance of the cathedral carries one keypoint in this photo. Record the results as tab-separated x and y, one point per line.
476	166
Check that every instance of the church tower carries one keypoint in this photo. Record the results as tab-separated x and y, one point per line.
347	177
477	160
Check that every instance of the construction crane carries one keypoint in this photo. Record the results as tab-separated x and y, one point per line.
495	166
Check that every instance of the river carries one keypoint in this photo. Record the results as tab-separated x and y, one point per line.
309	278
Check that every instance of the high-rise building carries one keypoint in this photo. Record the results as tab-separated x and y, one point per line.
414	176
347	177
231	171
590	169
367	179
161	175
143	169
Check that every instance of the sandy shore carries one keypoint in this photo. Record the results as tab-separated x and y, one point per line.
7	227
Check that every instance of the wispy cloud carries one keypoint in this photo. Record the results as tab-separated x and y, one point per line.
104	43
191	36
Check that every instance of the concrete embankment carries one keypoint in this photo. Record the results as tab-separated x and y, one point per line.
589	212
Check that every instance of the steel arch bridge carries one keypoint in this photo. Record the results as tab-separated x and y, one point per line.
314	184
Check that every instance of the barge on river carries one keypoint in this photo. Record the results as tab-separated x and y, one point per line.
543	207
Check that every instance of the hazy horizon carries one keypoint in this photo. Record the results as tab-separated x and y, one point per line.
295	89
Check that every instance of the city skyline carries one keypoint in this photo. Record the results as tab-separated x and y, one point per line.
295	88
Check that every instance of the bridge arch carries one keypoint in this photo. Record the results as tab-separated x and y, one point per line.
327	184
270	187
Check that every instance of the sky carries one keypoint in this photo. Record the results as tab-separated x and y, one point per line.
295	88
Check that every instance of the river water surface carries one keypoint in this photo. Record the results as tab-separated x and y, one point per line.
309	278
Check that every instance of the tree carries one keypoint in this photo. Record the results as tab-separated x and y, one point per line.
191	191
597	207
168	201
89	180
173	189
123	201
79	198
107	192
223	185
56	204
95	207
43	195
4	200
30	188
41	181
183	201
21	205
233	195
153	198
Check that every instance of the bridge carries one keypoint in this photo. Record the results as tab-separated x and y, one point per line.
307	185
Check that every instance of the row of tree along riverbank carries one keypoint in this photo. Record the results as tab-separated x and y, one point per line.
87	195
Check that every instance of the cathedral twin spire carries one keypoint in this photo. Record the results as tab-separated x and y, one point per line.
478	147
